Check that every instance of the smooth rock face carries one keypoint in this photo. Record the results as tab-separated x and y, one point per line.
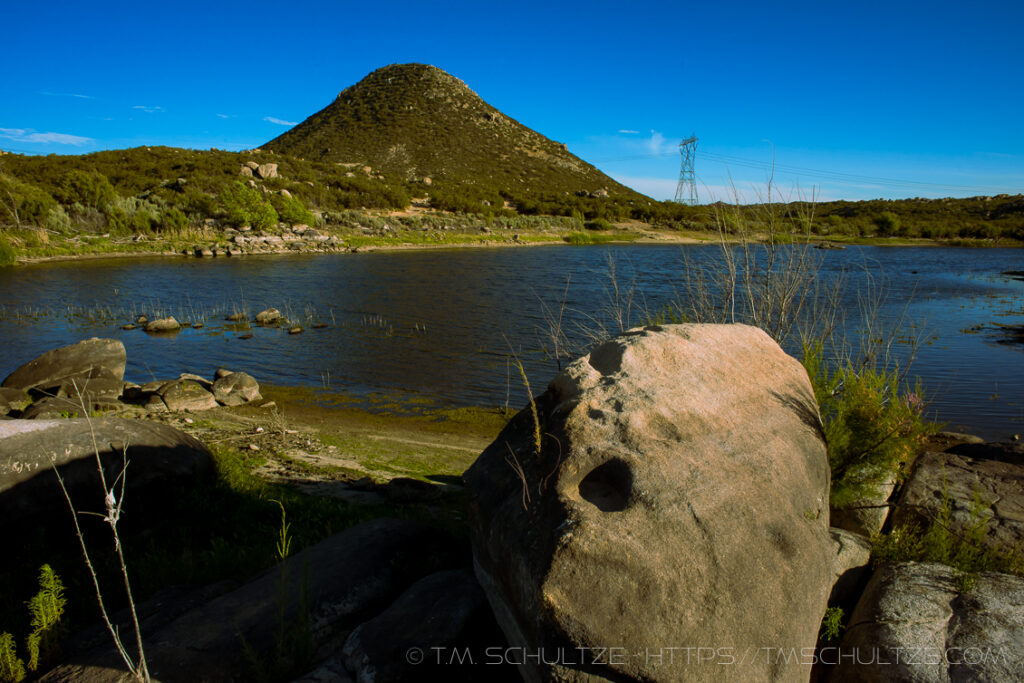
912	617
159	456
680	499
90	359
444	610
236	388
995	475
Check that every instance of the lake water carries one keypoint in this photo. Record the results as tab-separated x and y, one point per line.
439	325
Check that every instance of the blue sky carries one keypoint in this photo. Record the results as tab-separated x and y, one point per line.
852	101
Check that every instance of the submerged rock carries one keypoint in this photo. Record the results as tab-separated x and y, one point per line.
168	324
679	497
268	316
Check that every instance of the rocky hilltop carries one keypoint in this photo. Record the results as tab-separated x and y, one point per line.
417	121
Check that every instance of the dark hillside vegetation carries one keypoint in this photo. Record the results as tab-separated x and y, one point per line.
418	122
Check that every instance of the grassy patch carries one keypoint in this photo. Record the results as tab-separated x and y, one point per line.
586	238
966	547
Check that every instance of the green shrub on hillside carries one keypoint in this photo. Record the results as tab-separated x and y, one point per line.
244	205
89	188
22	203
291	210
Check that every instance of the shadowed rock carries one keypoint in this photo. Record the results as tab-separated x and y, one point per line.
343	580
160	456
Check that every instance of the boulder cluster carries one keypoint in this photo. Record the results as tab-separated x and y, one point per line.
87	378
659	513
284	239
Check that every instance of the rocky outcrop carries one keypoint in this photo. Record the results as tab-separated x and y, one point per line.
235	389
437	614
87	360
979	481
186	394
159	457
265	171
867	515
342	580
914	624
679	497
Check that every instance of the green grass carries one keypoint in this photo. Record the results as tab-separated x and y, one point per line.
587	238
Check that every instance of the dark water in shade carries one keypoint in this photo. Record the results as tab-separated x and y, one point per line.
439	325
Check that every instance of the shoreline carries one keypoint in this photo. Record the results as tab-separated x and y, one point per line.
641	238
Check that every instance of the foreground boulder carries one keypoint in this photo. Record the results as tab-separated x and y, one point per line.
90	359
159	456
914	623
341	581
680	497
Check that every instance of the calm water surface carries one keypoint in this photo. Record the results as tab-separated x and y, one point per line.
440	325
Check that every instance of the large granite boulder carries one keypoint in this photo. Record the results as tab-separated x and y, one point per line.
90	359
679	498
980	481
328	589
914	624
159	457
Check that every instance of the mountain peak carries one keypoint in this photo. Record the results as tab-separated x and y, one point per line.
416	120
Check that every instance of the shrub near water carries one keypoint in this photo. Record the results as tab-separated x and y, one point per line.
870	428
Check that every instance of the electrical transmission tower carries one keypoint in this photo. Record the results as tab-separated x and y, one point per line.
686	190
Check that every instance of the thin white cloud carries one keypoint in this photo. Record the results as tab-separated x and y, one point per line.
280	122
656	141
29	135
629	132
148	110
66	94
225	116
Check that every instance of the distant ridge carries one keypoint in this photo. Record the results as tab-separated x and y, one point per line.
416	121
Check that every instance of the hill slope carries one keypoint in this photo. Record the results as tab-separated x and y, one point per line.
415	121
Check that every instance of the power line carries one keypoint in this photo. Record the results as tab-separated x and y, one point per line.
826	174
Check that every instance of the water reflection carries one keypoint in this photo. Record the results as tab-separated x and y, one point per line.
441	324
